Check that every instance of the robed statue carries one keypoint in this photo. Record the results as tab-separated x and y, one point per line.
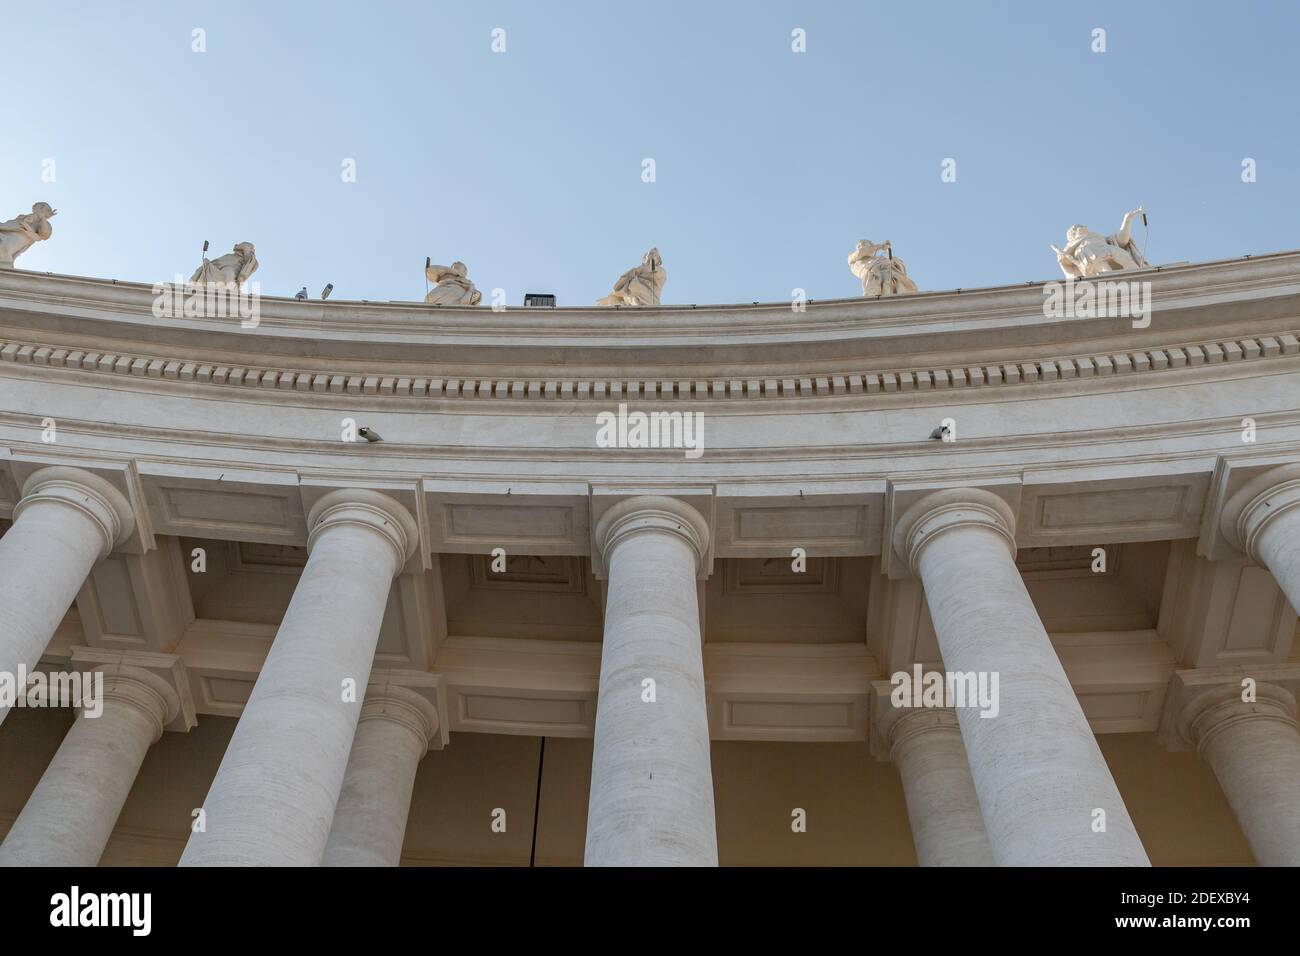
232	270
641	285
452	285
1089	253
22	232
880	271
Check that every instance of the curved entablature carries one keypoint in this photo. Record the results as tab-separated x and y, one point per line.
1186	305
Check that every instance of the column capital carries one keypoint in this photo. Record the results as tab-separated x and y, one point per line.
85	492
403	706
653	513
1201	704
146	692
364	508
1258	503
892	726
947	510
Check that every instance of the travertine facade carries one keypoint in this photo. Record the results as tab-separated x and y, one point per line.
488	639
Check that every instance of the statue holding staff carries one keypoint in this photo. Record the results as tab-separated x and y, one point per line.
641	285
1089	253
880	274
451	285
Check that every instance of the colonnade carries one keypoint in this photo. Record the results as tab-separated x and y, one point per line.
313	775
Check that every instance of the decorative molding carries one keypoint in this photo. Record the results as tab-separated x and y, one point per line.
1199	699
782	385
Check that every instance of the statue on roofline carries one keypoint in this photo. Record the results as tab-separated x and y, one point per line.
19	234
641	285
880	274
1089	253
451	285
233	269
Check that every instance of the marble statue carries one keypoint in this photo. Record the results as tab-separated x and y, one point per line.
641	285
22	232
451	285
234	268
1089	253
880	274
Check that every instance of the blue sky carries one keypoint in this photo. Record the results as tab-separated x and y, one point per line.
527	164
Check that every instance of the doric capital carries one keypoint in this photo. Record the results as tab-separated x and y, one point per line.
364	508
893	728
947	510
146	692
652	514
1202	704
1262	501
87	493
401	705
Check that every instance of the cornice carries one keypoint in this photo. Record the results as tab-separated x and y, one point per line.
1190	303
850	381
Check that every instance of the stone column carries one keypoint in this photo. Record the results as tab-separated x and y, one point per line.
272	802
942	807
66	520
1037	769
393	735
72	812
1263	520
651	781
1254	748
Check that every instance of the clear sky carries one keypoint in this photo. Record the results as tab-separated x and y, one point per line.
527	165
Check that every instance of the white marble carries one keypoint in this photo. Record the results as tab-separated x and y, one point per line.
640	285
272	802
19	234
393	735
1089	253
651	798
942	806
1038	771
880	271
1254	748
1263	520
66	520
451	285
233	269
71	813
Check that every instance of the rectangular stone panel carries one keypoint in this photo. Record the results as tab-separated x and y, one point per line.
197	509
772	715
496	524
1108	509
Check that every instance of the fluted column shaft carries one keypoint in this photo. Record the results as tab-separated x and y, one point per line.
942	807
272	802
651	781
66	520
392	738
1038	771
72	812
